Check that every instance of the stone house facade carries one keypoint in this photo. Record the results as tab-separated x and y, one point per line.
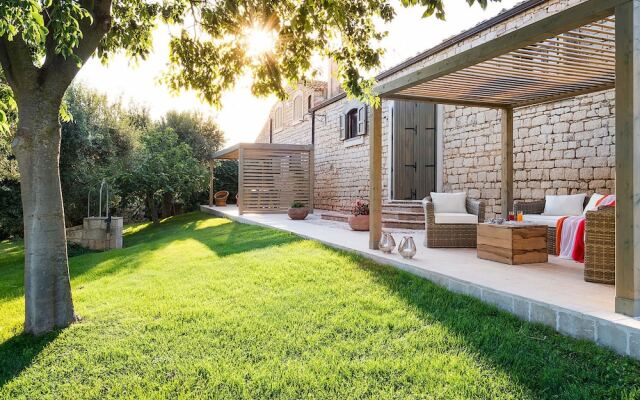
559	148
289	120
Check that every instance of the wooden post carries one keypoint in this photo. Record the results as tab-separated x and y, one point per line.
211	181
628	158
312	178
375	179
240	180
506	181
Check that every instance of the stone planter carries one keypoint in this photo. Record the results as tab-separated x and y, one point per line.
359	222
298	213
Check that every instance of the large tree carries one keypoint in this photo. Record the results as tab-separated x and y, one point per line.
44	43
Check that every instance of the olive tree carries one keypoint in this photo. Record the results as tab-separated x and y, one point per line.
44	43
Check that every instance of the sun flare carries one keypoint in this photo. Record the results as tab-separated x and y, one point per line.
259	41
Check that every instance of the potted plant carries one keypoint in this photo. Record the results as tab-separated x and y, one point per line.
298	210
359	218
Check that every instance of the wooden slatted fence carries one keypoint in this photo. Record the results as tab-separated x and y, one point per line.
272	176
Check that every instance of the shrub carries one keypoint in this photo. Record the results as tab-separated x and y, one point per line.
297	204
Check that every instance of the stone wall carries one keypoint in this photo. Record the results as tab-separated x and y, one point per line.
559	148
92	234
341	167
294	131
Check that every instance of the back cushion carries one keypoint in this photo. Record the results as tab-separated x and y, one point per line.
564	205
449	202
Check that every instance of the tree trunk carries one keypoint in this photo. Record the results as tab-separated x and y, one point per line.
167	205
48	302
153	209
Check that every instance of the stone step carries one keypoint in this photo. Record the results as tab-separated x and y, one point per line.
408	203
403	215
402	205
401	224
334	216
402	209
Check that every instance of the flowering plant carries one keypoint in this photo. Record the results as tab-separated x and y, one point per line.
360	208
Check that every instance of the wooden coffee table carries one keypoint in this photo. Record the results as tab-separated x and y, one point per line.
513	243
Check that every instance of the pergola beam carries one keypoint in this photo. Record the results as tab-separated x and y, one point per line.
439	100
563	21
628	158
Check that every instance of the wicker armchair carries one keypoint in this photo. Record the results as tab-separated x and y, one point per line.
452	235
599	243
600	246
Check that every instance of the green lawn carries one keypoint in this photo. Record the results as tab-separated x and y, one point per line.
202	307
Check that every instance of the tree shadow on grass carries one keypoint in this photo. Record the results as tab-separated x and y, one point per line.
548	364
18	352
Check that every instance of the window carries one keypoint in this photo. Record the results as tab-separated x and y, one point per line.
351	127
278	119
297	108
353	122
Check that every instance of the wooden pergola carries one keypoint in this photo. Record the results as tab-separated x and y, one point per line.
270	176
582	49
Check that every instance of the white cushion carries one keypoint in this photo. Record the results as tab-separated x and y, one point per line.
565	205
591	206
549	220
456	218
449	202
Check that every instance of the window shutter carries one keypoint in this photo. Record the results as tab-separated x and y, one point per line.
343	129
362	121
366	119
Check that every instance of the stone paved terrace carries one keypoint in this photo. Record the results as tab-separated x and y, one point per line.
553	293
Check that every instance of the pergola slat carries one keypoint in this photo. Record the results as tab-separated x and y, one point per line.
571	52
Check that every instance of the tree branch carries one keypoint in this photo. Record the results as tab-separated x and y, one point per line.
58	72
17	62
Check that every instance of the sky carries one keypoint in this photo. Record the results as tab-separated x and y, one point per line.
242	115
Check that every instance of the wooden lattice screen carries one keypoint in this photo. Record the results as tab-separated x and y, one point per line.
270	178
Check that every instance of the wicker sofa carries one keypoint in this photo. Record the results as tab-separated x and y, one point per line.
599	252
452	235
536	207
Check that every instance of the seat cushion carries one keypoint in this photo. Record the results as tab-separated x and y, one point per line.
449	202
564	205
549	220
456	218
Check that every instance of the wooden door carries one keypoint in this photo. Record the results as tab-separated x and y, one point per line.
414	150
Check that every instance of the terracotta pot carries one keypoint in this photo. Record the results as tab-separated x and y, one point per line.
298	213
359	222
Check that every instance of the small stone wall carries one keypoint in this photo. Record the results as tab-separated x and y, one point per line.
92	234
